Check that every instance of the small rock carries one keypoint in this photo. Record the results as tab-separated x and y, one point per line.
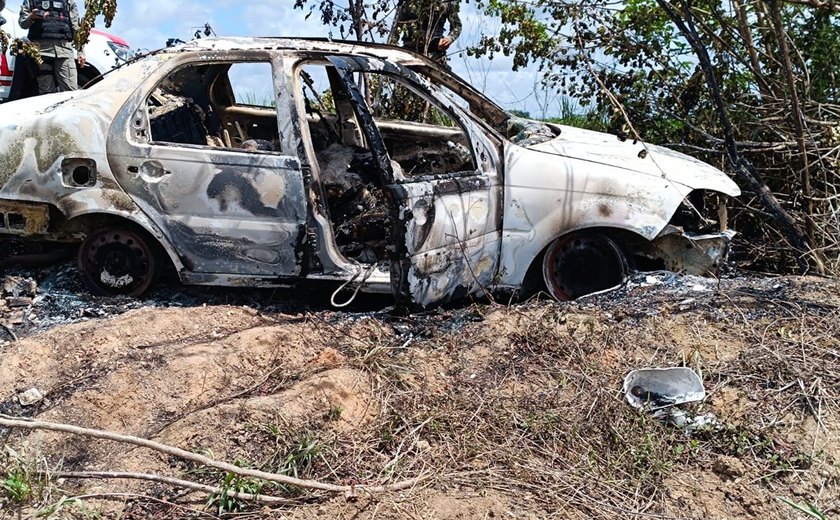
19	301
423	445
30	397
18	286
728	468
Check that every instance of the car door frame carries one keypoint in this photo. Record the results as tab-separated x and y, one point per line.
436	260
271	251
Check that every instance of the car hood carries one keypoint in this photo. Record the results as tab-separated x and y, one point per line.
637	158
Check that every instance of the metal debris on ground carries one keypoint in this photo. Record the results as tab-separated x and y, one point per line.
30	397
661	390
16	297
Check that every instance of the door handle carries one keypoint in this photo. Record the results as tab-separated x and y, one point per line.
150	170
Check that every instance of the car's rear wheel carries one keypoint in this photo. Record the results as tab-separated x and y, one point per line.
118	261
579	264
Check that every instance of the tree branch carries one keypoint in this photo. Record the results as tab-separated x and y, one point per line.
743	167
816	4
10	422
186	484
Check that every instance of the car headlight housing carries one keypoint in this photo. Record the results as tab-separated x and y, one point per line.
123	52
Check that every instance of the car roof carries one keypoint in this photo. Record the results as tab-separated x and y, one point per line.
389	52
326	45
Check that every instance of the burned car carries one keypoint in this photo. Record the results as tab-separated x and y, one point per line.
254	162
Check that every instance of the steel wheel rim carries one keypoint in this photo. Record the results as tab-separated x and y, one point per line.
118	261
578	265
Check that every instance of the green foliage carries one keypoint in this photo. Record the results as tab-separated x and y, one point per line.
334	413
63	505
356	19
16	486
226	501
296	452
93	9
572	114
253	99
817	34
738	441
632	58
301	456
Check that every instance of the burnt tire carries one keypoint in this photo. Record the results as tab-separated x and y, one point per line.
579	264
118	261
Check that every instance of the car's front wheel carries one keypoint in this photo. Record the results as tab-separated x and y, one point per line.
118	261
579	264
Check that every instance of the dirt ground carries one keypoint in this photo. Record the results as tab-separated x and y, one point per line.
499	411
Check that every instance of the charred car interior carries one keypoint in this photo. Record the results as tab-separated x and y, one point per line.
263	162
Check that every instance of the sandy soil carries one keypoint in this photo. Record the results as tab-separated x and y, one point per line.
507	412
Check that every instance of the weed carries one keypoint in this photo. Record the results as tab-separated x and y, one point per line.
334	413
738	441
807	508
67	507
16	486
231	484
302	455
54	509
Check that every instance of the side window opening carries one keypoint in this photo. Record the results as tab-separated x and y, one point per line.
220	105
420	138
180	111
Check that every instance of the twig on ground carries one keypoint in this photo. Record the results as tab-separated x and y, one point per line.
138	496
7	422
263	499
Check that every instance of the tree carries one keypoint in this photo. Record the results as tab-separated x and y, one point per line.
355	19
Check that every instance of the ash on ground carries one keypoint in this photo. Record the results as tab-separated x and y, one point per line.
33	300
42	298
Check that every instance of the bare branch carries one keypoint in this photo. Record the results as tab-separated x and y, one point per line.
186	484
10	422
816	4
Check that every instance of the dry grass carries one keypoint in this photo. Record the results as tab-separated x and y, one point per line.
524	403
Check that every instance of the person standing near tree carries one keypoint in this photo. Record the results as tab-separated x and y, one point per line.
422	26
52	24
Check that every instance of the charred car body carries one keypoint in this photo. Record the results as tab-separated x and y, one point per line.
363	165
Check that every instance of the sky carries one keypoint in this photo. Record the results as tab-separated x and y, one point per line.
148	25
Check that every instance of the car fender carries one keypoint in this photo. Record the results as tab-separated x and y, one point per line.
115	203
548	196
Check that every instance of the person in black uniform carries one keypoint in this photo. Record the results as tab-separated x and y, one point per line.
52	24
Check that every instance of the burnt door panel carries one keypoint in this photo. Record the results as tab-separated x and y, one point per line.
449	248
226	212
449	225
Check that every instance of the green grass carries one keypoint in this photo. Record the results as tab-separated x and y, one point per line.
16	486
571	113
231	484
